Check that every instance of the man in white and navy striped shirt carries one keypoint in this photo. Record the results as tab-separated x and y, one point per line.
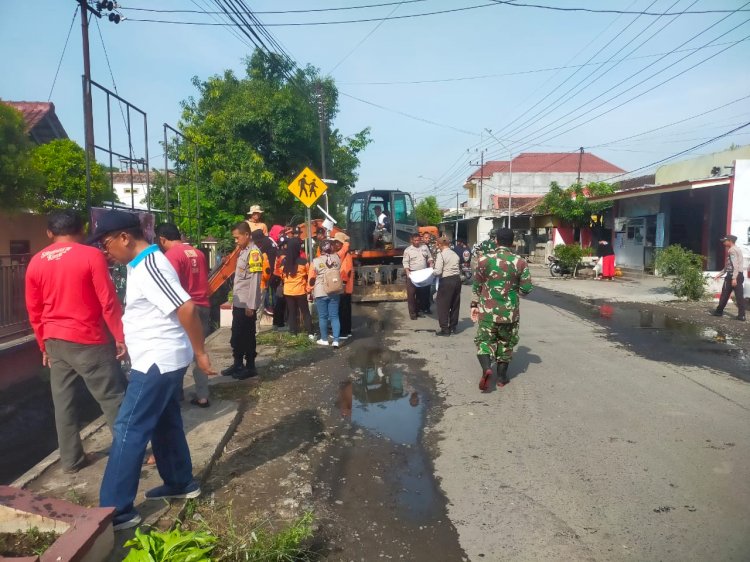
163	333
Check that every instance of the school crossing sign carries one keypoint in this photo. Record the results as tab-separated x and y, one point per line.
307	187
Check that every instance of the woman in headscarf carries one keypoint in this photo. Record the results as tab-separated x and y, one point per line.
607	259
293	272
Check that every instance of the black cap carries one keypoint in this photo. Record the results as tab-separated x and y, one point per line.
731	237
504	234
257	235
113	221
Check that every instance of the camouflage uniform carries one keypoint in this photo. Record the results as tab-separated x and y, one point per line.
499	277
432	247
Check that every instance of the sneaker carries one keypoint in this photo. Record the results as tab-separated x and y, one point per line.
126	521
311	337
322	342
192	490
346	337
335	344
717	313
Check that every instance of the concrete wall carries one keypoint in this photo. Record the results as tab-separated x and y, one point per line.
532	184
23	226
700	167
740	215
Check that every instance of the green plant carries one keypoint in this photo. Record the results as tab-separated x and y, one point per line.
569	255
428	212
263	545
176	545
573	205
685	268
284	340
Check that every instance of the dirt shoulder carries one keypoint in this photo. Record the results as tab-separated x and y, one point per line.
339	434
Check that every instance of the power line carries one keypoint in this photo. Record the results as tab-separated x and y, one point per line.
673	156
408	115
365	38
691	117
311	10
514	4
520	72
571	93
59	63
448	11
339	22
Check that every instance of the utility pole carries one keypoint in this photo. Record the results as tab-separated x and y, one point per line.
88	107
322	129
455	235
580	161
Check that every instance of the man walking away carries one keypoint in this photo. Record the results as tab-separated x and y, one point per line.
448	299
499	278
246	300
734	280
341	247
416	257
75	314
163	334
192	271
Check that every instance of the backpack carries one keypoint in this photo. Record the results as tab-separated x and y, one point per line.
332	282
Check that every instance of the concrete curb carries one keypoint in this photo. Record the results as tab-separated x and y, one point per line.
39	468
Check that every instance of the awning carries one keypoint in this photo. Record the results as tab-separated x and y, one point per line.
666	188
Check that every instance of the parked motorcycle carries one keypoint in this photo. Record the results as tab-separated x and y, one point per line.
556	268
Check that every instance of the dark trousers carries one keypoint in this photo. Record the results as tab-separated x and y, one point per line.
739	294
243	337
297	305
149	411
345	314
424	296
279	311
418	298
448	302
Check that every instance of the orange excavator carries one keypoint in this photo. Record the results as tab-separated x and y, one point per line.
377	253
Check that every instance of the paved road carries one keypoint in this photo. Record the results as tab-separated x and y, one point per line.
593	452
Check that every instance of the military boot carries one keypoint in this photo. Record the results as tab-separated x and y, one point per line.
502	373
234	369
486	362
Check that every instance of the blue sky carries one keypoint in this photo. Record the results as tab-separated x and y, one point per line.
153	65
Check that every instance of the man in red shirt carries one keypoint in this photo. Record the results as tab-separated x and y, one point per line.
75	314
192	270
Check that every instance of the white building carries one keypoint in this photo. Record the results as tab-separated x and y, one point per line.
131	189
529	176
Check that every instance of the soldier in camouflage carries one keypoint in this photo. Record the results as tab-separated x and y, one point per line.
500	276
488	245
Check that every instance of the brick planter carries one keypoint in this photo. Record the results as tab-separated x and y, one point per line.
86	534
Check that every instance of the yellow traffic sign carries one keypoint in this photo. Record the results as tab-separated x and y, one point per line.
307	187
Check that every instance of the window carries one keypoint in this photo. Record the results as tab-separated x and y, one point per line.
399	209
357	210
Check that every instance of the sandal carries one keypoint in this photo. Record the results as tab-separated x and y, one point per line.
484	382
197	402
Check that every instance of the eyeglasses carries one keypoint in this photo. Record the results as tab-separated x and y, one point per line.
105	245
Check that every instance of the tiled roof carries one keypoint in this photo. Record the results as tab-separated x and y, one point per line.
550	162
490	167
523	204
41	120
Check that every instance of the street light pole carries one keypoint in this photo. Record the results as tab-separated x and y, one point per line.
510	174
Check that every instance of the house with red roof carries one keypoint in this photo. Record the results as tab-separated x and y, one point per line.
41	120
518	185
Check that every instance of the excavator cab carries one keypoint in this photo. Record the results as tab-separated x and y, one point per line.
362	220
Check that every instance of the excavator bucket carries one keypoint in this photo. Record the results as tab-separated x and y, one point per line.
379	283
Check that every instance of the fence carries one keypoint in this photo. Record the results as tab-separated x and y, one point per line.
14	320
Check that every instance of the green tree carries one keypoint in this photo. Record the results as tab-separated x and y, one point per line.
61	164
573	205
18	182
428	213
253	135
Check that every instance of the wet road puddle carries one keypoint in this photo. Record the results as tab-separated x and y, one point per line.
659	336
381	398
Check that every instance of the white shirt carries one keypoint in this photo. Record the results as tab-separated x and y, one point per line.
153	332
381	219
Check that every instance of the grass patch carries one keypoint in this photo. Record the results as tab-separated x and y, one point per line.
28	543
285	341
214	534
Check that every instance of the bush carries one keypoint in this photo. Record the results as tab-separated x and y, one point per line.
569	255
686	267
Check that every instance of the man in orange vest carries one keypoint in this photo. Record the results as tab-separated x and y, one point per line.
341	247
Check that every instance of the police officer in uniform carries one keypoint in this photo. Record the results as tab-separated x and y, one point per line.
246	301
